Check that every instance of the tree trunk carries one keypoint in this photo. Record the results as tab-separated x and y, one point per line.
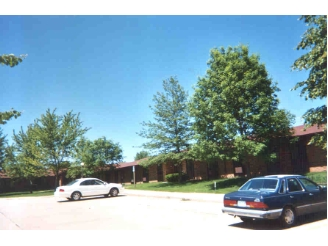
31	186
180	173
248	170
56	179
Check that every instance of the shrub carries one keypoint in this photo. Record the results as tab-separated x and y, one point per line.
174	177
318	177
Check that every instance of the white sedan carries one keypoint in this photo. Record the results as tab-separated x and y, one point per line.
85	187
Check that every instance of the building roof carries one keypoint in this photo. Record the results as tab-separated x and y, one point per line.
129	164
3	175
301	131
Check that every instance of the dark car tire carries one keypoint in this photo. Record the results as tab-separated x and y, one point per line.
113	192
288	217
76	196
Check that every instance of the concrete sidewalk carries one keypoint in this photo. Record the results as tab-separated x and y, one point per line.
199	197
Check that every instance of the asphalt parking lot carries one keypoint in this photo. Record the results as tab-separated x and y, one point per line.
131	212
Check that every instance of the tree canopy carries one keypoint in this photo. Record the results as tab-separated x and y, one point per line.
170	134
57	136
10	60
141	155
235	108
315	60
24	158
3	143
95	156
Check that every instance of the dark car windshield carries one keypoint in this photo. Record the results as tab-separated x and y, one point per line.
260	184
72	182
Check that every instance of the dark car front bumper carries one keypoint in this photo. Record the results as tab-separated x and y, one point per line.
251	213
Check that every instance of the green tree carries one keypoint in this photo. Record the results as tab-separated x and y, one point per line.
141	155
23	158
235	109
7	115
57	136
315	60
170	135
10	60
95	156
3	143
83	165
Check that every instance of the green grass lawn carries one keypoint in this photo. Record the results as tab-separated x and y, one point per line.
222	186
27	194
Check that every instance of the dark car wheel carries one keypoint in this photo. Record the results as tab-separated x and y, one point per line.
76	196
113	192
288	217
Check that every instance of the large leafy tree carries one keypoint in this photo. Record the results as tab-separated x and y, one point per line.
141	155
23	158
235	108
57	136
315	60
170	134
95	156
10	60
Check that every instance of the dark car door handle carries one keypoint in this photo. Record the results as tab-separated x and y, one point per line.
310	194
291	196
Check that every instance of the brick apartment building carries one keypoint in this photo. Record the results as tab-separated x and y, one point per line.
291	158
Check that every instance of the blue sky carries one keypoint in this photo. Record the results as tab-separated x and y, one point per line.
108	68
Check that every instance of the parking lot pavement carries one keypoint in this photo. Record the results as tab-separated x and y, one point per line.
7	224
199	197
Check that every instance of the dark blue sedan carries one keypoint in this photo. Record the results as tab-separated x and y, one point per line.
282	197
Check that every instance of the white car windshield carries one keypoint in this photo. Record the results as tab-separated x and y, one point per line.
260	184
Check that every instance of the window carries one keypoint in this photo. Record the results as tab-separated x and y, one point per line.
260	184
98	182
309	185
86	182
72	182
282	189
293	185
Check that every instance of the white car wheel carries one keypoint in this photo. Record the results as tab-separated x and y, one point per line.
113	192
76	196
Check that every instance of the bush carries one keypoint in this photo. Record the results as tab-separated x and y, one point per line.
174	177
318	177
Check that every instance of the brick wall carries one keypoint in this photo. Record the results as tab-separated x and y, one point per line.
153	173
226	169
317	158
200	169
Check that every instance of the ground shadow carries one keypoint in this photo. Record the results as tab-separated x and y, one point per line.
275	225
91	198
227	183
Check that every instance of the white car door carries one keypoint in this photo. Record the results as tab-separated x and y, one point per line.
86	188
99	188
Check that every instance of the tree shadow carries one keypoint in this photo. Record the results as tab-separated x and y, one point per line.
227	183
